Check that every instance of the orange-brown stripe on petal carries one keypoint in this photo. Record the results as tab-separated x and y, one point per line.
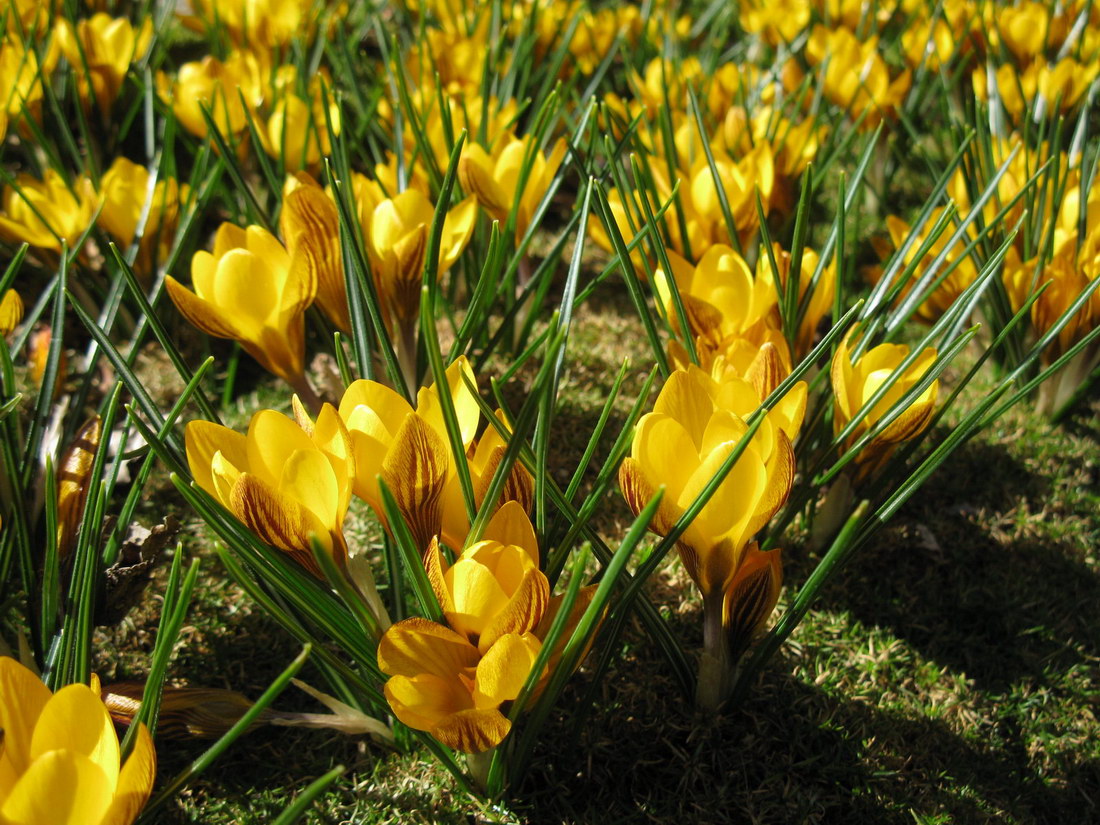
523	612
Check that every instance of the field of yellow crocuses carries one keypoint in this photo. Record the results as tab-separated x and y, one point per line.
549	411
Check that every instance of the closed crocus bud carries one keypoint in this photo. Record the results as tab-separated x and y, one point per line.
252	290
409	449
442	684
296	131
398	241
309	221
46	212
495	178
855	384
61	758
741	180
487	455
11	311
286	483
101	50
751	597
72	484
495	586
126	197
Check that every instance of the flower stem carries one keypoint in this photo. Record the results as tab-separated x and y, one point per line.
715	664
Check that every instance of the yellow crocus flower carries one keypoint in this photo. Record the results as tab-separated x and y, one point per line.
252	290
398	242
856	77
409	449
495	178
60	762
214	84
126	196
256	24
46	212
483	464
854	384
820	303
495	587
962	276
309	220
741	180
695	425
451	681
442	684
100	50
21	75
296	131
286	481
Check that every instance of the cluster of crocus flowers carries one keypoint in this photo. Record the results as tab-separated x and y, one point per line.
255	24
856	383
100	50
455	680
1071	269
856	78
696	424
60	759
252	290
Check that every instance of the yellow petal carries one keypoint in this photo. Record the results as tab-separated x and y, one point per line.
417	646
22	698
308	478
415	469
425	700
135	781
76	720
473	731
467	410
504	668
197	311
511	525
202	439
61	787
522	613
272	439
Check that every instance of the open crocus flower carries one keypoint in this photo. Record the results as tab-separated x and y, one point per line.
442	684
854	384
297	129
286	481
856	77
309	220
101	49
408	449
398	242
125	190
495	587
59	763
46	212
214	84
252	290
495	178
694	427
